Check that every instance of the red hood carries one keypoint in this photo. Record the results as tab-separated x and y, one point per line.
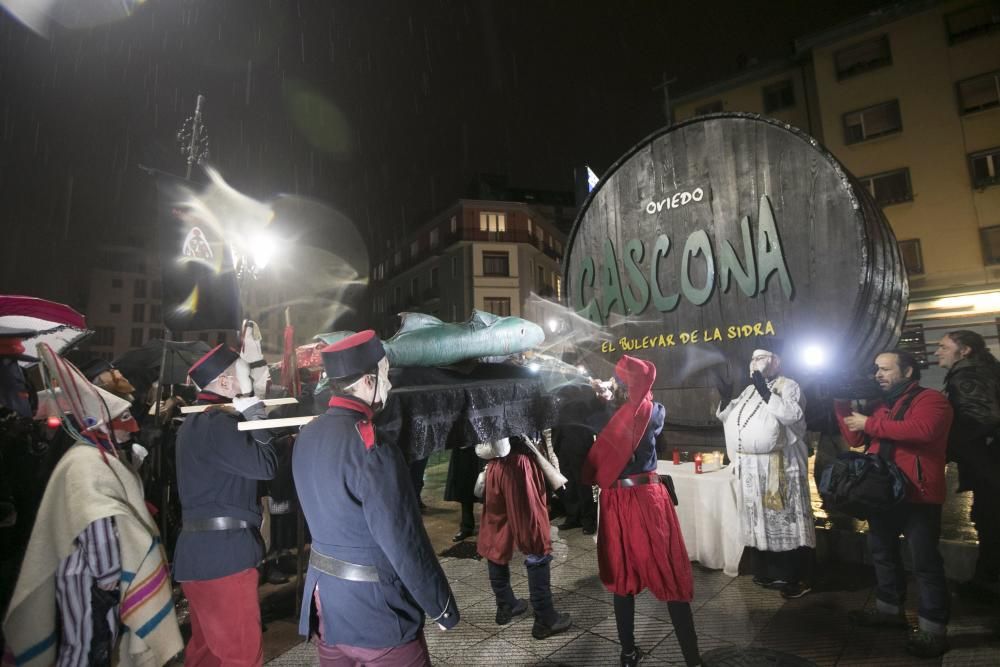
616	442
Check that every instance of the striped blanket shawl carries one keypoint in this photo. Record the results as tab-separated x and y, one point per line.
85	487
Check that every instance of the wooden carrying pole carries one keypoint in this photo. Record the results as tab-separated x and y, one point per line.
268	402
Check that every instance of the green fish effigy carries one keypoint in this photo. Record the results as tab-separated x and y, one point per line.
424	340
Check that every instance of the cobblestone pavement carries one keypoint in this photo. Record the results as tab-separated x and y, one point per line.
729	612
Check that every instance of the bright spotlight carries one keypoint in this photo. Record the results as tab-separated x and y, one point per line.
814	356
533	368
553	324
262	248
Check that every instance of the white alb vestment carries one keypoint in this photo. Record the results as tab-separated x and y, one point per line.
766	445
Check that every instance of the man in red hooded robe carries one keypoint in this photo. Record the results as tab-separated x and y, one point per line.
639	541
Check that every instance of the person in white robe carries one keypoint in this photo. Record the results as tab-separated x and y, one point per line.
765	440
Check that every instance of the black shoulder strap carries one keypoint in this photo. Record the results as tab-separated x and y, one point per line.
886	446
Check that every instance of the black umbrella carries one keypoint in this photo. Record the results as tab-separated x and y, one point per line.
142	365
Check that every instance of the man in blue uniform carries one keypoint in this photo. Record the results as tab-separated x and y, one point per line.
372	572
219	547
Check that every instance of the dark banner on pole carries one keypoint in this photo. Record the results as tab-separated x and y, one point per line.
199	289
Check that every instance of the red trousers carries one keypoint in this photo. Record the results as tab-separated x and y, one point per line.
640	545
514	510
225	621
411	654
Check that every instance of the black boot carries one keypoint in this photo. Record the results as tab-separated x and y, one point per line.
508	606
548	621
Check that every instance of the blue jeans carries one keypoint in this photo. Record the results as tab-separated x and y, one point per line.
921	525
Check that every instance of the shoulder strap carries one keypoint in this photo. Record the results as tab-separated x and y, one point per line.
887	447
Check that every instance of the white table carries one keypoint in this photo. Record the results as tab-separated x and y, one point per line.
706	509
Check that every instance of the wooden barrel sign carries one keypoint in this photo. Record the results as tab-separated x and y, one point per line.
717	232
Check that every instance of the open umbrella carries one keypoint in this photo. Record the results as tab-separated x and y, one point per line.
145	361
55	324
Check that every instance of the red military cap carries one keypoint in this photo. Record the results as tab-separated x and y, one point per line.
212	364
357	354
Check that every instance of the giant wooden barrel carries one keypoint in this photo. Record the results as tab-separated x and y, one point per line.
720	231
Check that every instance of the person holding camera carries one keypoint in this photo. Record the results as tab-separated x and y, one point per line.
218	467
765	439
973	389
915	421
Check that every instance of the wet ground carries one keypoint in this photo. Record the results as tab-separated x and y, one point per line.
730	613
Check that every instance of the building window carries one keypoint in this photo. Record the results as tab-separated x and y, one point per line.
530	232
155	333
913	259
154	289
154	312
912	340
541	278
139	290
496	264
398	258
712	107
985	168
115	308
979	93
414	248
492	222
990	238
139	312
454	267
104	336
116	283
559	287
891	187
454	312
396	297
454	224
780	95
862	57
434	277
434	238
498	305
969	22
415	287
875	121
136	340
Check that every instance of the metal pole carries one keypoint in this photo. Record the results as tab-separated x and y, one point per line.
164	490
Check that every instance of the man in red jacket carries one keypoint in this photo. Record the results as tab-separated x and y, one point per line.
917	421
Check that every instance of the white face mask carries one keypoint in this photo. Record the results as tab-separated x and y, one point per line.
761	361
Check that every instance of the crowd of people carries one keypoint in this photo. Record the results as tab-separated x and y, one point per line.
93	583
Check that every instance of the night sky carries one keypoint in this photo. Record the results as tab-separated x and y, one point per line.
384	110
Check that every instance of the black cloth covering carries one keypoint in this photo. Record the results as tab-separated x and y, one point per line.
430	409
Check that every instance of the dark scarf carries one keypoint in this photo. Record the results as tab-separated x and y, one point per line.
893	394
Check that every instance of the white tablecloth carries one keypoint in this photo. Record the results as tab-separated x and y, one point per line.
706	510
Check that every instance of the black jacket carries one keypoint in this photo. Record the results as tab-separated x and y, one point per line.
971	388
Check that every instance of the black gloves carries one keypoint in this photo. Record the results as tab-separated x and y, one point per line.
725	390
760	384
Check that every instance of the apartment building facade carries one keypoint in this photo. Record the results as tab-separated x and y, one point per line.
124	307
477	254
908	99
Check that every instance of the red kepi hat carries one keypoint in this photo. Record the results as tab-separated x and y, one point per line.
357	354
212	364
